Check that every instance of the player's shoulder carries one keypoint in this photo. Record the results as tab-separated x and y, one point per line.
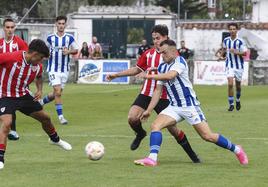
226	38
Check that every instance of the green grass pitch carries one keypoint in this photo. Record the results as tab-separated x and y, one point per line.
99	112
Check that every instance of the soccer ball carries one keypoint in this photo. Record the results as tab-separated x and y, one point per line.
94	150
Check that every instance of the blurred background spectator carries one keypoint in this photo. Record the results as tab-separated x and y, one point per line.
184	51
84	52
93	44
97	52
143	47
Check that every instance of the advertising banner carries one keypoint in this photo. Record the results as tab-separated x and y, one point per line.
94	71
213	73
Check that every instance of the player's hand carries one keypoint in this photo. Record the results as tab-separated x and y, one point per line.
65	51
110	77
232	50
145	115
37	95
152	69
141	75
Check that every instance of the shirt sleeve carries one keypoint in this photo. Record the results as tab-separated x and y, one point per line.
22	44
7	59
73	44
242	47
142	62
179	65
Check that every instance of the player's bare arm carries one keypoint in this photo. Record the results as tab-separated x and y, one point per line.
129	72
67	51
165	76
39	88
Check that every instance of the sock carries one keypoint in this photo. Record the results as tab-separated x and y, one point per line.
231	100
2	152
225	143
155	143
13	124
46	100
183	141
137	127
54	136
238	94
59	109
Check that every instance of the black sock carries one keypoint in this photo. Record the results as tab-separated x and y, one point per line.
54	137
138	128
2	153
13	124
187	148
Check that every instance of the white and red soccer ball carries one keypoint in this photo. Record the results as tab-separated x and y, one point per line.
94	150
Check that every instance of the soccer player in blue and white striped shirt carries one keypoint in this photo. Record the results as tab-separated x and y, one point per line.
235	50
173	74
61	45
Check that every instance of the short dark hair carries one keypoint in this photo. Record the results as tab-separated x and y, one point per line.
233	24
161	29
8	20
39	46
61	18
168	42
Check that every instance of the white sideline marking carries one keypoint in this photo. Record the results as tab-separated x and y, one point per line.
125	136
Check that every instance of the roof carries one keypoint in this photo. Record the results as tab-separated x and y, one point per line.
222	25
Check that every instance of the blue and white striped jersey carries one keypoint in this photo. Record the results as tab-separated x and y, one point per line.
232	60
180	90
57	61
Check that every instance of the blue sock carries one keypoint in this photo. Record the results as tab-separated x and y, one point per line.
231	100
225	143
46	100
59	109
155	141
238	94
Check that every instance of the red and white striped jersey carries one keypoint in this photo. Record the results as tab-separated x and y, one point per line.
16	74
15	44
150	59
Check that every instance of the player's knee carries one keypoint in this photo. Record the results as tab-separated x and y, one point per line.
57	94
230	86
132	120
155	127
6	126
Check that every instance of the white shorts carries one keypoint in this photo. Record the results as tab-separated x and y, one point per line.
58	78
192	114
236	73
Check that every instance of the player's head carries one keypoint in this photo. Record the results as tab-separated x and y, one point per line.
182	43
159	34
37	52
233	28
61	23
9	27
94	39
168	50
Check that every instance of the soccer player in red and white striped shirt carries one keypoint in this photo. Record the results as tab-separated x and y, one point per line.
18	70
148	62
11	43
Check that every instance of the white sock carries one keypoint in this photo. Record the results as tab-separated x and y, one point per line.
153	156
236	150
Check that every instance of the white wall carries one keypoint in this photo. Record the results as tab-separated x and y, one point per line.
206	42
260	13
170	24
84	30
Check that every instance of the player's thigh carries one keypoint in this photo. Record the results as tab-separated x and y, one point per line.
192	114
238	75
161	105
162	121
54	78
8	107
139	106
29	106
229	72
40	116
64	79
173	112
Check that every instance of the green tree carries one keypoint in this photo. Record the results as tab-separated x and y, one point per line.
233	8
191	8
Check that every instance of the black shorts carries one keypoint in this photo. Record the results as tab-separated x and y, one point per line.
25	104
143	101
